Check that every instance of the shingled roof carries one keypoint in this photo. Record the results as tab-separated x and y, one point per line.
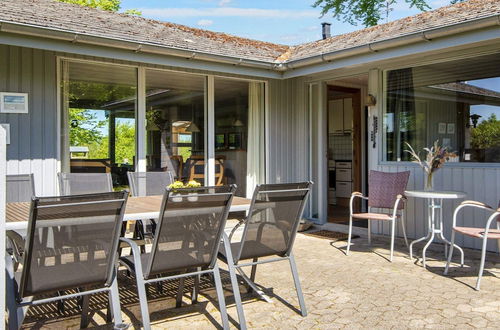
55	15
445	16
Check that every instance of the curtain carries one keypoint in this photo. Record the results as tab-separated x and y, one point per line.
256	145
401	104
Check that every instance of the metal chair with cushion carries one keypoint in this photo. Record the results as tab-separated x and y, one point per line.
483	233
269	231
186	241
84	183
386	191
70	249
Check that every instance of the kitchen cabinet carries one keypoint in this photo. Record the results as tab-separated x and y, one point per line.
340	116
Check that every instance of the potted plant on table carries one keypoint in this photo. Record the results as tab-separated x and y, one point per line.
435	158
177	185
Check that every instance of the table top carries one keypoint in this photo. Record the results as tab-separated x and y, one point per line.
439	194
138	208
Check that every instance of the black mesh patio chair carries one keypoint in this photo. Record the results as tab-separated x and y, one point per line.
186	241
269	231
148	184
84	183
70	251
19	188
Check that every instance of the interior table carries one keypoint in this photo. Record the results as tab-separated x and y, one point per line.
137	208
434	218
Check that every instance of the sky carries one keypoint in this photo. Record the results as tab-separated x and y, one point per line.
287	22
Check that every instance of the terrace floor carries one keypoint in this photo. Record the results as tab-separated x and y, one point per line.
362	290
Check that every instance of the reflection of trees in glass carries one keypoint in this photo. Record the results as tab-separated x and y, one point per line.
124	148
85	128
486	134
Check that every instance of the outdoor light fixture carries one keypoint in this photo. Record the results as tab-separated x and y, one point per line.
74	123
370	100
474	118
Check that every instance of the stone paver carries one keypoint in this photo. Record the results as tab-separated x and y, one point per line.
359	291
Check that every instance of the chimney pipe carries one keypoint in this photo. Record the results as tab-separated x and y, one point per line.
325	27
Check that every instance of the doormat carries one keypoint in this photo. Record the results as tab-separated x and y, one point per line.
331	235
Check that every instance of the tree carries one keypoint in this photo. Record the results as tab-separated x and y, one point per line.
108	5
369	12
487	134
85	127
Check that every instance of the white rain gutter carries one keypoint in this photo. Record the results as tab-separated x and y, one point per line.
146	47
427	35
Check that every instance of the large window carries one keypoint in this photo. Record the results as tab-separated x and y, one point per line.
99	110
107	128
456	102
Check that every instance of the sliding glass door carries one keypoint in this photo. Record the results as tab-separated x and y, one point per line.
239	133
118	118
175	124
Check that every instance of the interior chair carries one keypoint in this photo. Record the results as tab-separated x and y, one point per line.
269	230
483	233
386	193
70	251
84	183
197	170
186	241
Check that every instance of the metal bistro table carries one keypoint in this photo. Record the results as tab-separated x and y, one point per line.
435	219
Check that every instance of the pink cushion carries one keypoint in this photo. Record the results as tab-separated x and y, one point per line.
478	232
372	216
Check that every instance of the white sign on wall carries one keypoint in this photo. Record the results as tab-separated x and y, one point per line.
13	102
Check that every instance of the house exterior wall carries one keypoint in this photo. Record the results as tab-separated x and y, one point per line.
33	136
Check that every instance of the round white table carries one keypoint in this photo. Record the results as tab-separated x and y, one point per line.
435	219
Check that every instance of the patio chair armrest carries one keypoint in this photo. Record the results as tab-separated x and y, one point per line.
473	204
358	194
136	254
17	242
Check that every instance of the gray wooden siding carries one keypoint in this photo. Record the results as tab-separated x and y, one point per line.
481	184
33	136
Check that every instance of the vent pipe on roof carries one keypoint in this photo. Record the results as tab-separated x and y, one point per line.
325	28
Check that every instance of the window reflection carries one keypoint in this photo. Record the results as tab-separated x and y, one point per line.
175	108
457	103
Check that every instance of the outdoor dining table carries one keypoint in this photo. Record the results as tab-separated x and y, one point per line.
434	219
138	208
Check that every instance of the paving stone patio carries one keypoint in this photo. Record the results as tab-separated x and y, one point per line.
360	291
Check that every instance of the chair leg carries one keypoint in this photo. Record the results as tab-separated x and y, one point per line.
349	236
143	300
369	232
450	253
481	265
298	288
114	302
220	297
84	319
252	275
403	226
180	293
14	316
393	229
234	282
196	288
